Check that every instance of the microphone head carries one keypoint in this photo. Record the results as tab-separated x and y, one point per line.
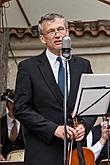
66	47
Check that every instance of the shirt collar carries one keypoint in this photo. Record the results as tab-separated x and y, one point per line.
10	119
52	57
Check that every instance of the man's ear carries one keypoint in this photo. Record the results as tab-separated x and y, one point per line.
42	38
67	32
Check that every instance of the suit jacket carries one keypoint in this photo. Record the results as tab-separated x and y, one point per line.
39	107
7	145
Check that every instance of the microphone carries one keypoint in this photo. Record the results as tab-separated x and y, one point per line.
66	47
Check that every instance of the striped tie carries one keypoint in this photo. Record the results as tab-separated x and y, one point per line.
61	75
13	133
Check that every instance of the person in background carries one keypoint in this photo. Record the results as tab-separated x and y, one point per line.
8	142
97	140
39	98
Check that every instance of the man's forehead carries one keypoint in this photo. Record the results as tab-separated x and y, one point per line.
53	22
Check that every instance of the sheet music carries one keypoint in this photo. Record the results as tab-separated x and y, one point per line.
94	90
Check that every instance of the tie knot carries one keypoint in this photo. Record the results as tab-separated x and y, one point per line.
59	59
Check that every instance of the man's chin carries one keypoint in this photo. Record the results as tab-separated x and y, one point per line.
58	47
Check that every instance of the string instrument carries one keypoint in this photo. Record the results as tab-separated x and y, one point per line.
80	155
88	156
8	95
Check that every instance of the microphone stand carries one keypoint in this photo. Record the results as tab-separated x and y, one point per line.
65	108
66	48
65	112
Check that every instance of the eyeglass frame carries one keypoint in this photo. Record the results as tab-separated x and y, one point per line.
53	32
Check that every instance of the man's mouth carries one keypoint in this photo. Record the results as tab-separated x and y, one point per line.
58	42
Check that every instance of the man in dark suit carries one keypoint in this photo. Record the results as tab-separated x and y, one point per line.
7	143
39	100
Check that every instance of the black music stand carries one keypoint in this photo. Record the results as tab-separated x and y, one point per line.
93	97
93	101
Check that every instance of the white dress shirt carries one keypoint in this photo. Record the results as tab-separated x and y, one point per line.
55	66
96	148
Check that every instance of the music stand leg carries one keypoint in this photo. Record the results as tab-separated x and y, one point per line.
108	143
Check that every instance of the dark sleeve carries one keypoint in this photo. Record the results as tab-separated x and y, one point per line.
23	107
89	123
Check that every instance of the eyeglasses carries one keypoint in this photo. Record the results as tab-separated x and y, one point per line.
53	32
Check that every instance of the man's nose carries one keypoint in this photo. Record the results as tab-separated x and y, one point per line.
57	33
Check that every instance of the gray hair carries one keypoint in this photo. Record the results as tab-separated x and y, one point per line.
50	17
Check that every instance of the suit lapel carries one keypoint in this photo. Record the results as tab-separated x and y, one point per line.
48	75
4	128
